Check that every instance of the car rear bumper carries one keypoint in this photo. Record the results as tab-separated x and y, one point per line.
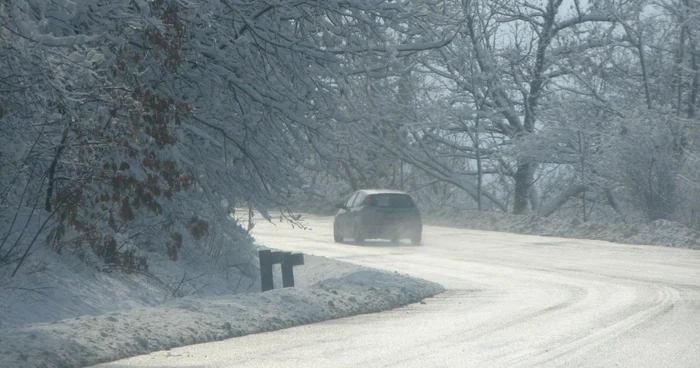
392	231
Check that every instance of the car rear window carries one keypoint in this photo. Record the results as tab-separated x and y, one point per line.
392	200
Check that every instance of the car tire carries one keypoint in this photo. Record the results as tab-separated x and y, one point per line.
336	235
359	235
416	239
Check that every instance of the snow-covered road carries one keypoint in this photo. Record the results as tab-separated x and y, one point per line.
512	300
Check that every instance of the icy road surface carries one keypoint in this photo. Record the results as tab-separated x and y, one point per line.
512	301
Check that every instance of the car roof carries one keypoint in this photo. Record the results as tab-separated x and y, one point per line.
382	191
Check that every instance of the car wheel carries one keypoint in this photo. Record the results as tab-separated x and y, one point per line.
336	235
359	235
415	239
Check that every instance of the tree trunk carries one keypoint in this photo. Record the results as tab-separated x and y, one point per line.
479	174
52	171
561	199
524	177
692	99
680	55
614	205
582	144
645	72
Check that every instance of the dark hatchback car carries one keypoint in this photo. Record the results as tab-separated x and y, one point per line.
378	214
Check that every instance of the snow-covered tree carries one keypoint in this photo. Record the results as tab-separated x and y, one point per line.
141	125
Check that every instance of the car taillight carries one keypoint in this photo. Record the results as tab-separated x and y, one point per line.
368	201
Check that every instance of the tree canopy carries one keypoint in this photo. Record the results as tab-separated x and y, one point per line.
147	122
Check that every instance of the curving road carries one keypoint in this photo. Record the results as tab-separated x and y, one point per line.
512	301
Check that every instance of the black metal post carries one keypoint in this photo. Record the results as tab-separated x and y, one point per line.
289	260
266	281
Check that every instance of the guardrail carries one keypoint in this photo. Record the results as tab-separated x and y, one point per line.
287	261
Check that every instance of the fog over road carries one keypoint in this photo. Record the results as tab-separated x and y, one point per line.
512	300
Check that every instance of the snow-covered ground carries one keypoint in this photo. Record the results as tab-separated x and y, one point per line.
56	286
60	311
659	232
142	318
511	300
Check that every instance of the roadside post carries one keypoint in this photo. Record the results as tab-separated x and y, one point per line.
266	270
287	261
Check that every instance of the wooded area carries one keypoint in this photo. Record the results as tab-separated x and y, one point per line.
133	124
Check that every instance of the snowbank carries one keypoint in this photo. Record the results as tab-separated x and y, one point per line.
58	283
53	286
90	340
660	232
